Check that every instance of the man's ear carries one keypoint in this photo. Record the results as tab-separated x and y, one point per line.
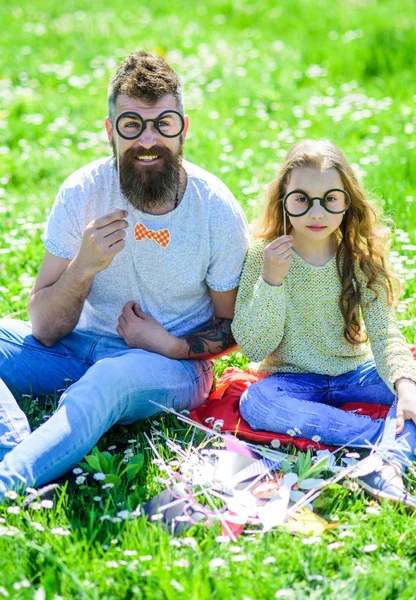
109	130
185	129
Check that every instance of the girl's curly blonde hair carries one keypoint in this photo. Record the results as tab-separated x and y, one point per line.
363	239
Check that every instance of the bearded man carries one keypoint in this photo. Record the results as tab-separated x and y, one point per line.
136	292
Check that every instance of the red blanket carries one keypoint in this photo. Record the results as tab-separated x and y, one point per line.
222	411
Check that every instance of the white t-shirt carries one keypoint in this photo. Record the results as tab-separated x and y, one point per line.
207	238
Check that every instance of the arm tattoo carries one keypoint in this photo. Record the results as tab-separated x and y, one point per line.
214	339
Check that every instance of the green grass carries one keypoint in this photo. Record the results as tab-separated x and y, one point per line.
258	76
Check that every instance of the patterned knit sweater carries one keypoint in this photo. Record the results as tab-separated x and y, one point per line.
297	327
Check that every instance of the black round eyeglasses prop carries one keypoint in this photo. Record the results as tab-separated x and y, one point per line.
130	125
298	203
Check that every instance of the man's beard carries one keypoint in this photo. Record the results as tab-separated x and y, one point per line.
149	187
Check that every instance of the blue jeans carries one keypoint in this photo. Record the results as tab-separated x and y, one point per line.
112	384
309	403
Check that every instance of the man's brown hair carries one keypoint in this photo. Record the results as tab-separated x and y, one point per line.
144	76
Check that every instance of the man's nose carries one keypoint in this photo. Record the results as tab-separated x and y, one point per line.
148	137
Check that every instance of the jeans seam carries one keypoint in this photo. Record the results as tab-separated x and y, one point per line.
10	423
46	350
93	346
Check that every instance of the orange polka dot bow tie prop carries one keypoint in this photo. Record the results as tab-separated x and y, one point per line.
162	237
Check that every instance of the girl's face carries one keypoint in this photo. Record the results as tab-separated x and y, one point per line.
317	224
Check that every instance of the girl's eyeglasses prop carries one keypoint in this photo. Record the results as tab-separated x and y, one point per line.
297	203
130	125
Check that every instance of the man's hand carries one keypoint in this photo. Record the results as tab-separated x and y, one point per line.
140	330
406	405
103	238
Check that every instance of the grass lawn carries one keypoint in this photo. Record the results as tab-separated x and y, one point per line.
258	76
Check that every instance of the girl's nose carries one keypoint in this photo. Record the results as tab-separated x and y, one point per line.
316	211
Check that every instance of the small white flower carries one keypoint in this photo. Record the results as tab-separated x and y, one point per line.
177	585
291	432
38	526
97	498
269	560
222	539
14	510
209	420
182	563
132	441
216	563
191	542
11	495
351	485
218	424
314	539
60	531
30	490
370	548
99	476
80	480
335	545
239	558
21	584
316	438
373	510
298	431
105	518
146	558
346	533
46	504
112	447
130	553
275	443
107	486
284	593
77	471
123	514
352	455
112	564
35	506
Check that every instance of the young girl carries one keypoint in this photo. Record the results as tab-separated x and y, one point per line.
303	301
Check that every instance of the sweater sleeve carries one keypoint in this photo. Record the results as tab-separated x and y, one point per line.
391	353
260	309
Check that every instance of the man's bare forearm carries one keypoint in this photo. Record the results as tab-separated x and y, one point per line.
214	340
55	310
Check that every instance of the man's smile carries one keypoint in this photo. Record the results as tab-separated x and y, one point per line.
148	159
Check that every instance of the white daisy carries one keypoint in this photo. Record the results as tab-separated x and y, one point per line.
275	443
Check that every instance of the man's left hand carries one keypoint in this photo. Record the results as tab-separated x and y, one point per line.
140	330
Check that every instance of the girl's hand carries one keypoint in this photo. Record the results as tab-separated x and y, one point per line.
277	259
406	405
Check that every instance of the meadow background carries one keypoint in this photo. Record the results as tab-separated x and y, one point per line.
258	75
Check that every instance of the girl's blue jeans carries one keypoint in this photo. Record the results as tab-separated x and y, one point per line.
112	383
307	405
